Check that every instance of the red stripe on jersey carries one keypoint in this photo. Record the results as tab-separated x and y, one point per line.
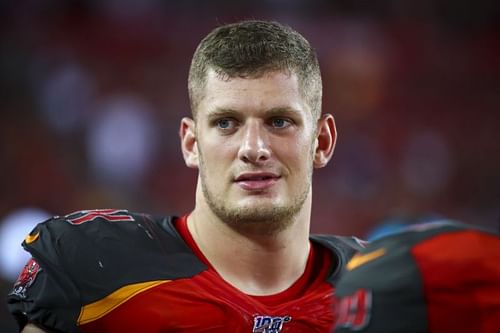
112	215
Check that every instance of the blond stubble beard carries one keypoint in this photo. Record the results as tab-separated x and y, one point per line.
263	220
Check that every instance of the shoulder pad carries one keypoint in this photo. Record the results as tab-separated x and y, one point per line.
85	256
94	248
448	267
342	249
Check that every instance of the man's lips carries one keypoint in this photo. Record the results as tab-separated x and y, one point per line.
256	181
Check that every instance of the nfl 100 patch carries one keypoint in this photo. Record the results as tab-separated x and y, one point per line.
269	324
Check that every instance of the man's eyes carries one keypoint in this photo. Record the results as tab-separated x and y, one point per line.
225	123
280	122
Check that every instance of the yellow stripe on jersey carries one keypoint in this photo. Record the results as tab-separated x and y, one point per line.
31	238
360	259
100	308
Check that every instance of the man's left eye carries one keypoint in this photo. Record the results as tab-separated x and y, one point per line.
280	122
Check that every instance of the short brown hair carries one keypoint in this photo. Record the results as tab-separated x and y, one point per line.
253	48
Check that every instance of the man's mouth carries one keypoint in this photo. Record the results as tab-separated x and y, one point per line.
256	181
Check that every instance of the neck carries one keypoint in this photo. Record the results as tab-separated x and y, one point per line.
256	263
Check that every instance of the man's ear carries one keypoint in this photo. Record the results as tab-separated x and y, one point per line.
189	146
326	136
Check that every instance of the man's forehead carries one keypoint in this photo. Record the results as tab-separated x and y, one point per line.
275	92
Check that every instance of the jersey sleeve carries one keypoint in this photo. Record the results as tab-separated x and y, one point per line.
84	257
44	294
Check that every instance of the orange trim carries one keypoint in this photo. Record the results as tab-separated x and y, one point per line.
100	308
31	238
361	259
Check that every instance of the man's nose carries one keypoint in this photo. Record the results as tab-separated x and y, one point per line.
254	147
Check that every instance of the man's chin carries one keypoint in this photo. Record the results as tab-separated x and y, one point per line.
266	214
259	209
263	223
267	217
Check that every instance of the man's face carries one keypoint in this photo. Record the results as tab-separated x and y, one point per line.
255	139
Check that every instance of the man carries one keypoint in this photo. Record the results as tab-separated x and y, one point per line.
243	259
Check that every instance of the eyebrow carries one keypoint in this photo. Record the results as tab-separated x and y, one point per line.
217	113
283	111
277	111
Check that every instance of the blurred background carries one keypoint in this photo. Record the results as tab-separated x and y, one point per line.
92	92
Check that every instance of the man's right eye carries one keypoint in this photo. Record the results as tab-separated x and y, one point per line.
225	123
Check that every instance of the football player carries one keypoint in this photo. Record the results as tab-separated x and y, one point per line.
243	259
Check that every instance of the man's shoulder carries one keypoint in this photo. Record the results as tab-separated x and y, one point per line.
342	248
112	243
89	256
453	260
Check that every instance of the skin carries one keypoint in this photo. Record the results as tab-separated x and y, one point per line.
256	237
30	328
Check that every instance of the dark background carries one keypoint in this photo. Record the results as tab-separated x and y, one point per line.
92	92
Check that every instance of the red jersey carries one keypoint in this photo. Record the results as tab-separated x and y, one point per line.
113	271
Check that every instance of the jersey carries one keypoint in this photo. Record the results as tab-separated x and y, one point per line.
432	277
115	271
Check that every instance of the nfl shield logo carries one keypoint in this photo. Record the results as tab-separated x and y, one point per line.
269	324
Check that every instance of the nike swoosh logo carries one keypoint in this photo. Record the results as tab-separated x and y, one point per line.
31	238
360	259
